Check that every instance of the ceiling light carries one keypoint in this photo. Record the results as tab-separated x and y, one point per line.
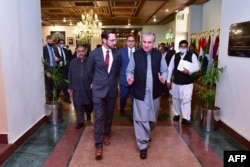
129	22
88	27
64	20
166	10
154	19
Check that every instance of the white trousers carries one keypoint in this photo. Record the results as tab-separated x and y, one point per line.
182	96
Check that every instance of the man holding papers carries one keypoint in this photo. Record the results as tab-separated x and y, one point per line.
180	80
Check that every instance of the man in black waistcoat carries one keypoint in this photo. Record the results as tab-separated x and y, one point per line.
180	69
146	72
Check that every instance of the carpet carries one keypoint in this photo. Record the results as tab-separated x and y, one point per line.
167	149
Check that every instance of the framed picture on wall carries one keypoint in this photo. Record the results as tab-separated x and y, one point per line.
58	35
71	41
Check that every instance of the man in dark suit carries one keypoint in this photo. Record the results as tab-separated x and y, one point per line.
103	69
52	58
79	86
64	65
125	89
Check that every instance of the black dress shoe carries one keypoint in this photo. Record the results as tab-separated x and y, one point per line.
176	118
143	154
186	122
80	125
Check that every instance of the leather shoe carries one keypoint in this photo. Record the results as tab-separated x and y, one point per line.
186	122
106	140
176	118
80	125
98	153
143	154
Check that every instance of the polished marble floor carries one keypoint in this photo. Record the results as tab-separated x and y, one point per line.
55	145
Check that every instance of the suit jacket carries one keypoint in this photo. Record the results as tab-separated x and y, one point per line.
103	83
65	67
124	63
46	56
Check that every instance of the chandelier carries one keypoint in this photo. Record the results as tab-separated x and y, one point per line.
88	27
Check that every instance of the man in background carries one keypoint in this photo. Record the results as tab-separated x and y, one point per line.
64	65
125	89
182	83
79	86
52	58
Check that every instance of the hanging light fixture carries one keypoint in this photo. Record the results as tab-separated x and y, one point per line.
129	22
88	27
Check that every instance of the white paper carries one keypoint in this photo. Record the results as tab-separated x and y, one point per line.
184	64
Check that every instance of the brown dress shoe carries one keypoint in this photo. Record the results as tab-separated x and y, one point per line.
106	140
98	153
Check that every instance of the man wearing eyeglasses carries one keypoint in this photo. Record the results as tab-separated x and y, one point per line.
125	89
182	65
103	70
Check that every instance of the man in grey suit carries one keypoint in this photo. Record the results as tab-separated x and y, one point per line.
103	70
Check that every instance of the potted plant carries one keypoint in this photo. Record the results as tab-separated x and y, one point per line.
54	107
207	91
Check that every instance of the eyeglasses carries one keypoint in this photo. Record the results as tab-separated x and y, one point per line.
130	40
112	40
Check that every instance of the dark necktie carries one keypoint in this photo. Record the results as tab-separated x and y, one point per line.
62	55
63	58
106	62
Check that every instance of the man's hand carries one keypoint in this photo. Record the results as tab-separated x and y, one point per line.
70	92
185	71
161	78
48	74
130	80
56	58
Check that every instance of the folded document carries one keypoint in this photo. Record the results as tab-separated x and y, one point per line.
184	64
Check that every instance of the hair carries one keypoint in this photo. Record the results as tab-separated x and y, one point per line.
49	37
130	35
165	48
148	33
162	44
59	40
105	34
80	45
183	42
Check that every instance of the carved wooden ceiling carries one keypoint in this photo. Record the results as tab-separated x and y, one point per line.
113	12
